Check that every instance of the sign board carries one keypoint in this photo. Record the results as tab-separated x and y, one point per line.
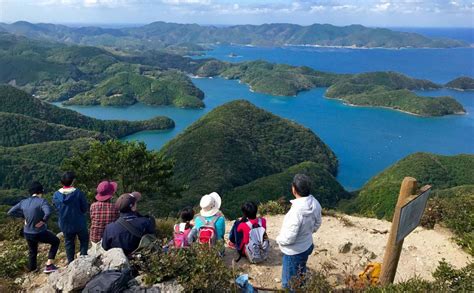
410	215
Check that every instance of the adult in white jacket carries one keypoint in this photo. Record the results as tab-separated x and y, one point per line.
296	234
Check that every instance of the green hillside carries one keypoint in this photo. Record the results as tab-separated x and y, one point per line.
461	83
377	197
325	188
172	36
237	143
56	72
126	88
13	100
19	166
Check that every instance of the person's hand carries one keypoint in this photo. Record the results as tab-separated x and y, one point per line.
39	224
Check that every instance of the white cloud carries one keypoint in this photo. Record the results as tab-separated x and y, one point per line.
381	7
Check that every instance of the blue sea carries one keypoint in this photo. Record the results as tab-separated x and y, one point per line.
365	140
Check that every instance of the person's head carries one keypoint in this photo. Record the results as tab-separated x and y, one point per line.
68	178
249	210
106	190
186	214
301	185
127	202
36	188
210	204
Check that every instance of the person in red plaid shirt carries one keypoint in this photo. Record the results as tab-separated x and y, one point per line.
102	212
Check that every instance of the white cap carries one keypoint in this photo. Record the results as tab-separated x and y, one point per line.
210	204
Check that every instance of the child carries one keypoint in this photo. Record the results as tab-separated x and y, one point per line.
183	229
72	206
241	236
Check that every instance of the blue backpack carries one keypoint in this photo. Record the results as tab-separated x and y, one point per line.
236	238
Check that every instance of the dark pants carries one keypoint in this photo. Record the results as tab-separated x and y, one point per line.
294	266
70	242
43	237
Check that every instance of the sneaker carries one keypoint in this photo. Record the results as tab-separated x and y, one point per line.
50	268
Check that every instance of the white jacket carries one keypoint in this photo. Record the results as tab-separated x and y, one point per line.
303	219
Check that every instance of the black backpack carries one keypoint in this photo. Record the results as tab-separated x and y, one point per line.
110	281
236	238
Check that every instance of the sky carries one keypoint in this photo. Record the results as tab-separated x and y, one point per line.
381	13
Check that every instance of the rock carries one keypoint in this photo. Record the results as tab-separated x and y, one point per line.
169	287
45	289
345	248
114	259
277	280
76	275
372	255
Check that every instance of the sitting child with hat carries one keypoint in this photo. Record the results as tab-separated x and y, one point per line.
209	225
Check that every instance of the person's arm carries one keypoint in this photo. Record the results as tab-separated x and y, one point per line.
105	240
150	229
220	228
46	208
319	220
16	211
56	201
83	203
289	230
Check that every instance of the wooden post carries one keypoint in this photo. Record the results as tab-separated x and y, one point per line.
393	249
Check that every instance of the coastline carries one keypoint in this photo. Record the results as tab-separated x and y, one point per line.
344	102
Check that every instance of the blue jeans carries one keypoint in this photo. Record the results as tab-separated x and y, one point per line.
70	243
294	266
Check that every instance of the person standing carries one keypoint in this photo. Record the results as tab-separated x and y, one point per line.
102	212
72	206
296	235
36	212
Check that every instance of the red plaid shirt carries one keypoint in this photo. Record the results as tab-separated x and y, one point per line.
102	213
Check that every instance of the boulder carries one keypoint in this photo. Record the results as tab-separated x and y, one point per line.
165	287
114	259
76	275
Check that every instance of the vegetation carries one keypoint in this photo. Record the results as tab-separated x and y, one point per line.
91	75
197	269
238	143
270	188
162	35
19	166
393	90
130	164
16	101
451	202
125	88
461	83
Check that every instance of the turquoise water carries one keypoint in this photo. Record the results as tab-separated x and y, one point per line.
366	140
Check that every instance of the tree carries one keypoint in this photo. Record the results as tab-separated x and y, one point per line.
130	164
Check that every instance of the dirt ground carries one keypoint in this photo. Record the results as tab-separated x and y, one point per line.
422	251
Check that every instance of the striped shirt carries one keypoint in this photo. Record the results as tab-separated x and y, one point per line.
102	213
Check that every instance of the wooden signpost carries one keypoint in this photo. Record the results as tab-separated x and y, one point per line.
406	218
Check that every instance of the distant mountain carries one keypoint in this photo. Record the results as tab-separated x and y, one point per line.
238	143
159	35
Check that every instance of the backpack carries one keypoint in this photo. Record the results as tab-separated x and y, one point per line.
258	247
147	241
109	281
207	233
236	237
180	238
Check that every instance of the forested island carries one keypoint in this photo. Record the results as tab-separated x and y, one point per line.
93	76
176	37
462	83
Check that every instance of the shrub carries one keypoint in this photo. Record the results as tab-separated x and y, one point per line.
197	269
164	228
13	259
274	207
461	280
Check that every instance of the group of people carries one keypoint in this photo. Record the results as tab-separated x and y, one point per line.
119	225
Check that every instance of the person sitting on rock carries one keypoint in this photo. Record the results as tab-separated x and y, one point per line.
103	212
72	206
209	224
296	234
123	232
36	212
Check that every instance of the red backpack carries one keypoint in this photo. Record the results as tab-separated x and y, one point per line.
207	233
180	238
